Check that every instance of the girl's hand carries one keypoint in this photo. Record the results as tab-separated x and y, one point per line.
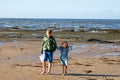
70	47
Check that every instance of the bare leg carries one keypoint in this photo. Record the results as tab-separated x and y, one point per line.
49	67
44	67
65	69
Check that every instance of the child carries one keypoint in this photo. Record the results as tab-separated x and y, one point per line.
48	47
64	49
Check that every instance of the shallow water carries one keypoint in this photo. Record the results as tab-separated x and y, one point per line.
107	54
1	43
79	50
26	58
85	50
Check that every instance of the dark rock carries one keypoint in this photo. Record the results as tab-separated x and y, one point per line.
94	40
100	41
15	28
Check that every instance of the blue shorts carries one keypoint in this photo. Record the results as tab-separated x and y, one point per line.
48	56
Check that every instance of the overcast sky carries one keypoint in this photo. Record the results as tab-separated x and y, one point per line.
80	9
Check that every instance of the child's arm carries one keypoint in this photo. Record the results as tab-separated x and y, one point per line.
42	45
70	48
58	48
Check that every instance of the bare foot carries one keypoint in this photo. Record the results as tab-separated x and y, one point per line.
48	73
43	72
63	74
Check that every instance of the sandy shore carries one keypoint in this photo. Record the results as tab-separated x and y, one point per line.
87	61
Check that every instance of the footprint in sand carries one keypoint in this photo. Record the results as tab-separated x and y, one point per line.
87	71
24	53
1	50
8	58
88	65
91	79
56	61
21	48
109	61
118	62
109	79
76	63
27	65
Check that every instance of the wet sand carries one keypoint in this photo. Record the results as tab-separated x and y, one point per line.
87	61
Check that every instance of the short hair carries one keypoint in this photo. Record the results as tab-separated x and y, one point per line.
49	31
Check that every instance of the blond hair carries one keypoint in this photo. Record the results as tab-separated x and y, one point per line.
49	31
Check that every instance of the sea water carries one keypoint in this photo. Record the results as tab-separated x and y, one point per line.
41	24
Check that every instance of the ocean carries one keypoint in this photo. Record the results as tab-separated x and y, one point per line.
41	24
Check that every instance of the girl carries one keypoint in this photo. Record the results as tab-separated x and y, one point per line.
64	49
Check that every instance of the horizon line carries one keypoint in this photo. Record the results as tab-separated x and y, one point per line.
51	18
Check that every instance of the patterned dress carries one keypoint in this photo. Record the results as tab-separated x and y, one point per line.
64	54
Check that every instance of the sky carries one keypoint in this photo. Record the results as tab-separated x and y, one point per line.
73	9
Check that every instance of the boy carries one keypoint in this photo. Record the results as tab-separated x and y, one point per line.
48	47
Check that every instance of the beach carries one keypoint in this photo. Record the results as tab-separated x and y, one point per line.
87	61
91	28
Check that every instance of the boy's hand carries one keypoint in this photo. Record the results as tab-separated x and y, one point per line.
41	52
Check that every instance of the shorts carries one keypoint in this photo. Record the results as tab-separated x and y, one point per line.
48	56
